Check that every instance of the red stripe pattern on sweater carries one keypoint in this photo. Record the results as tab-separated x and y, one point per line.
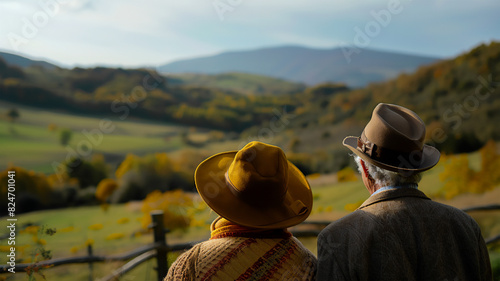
270	262
210	273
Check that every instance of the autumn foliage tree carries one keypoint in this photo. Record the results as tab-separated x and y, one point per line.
459	177
33	191
105	188
175	206
456	176
490	162
138	176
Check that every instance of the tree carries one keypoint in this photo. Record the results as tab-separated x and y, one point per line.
139	176
32	190
489	176
87	173
459	178
456	176
105	188
65	136
327	89
13	114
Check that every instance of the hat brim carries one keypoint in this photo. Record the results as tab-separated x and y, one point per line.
211	185
430	157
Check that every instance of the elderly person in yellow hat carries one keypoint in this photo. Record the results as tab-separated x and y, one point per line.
257	194
398	233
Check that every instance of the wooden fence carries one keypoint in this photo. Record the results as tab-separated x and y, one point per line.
159	250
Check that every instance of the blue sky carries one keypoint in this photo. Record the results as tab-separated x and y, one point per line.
153	32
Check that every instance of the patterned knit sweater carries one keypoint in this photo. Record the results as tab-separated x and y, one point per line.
244	258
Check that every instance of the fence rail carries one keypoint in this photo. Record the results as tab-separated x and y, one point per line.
116	274
82	259
491	207
159	249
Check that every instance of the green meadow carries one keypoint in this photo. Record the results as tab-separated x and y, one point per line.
28	142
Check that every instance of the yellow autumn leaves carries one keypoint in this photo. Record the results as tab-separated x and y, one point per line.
459	177
178	208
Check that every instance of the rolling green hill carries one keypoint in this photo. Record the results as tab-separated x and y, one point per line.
141	93
244	83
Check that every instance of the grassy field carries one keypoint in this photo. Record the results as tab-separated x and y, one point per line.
29	143
77	226
245	83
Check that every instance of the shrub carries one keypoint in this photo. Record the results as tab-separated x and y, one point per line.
88	173
138	176
175	206
105	188
459	178
33	191
65	136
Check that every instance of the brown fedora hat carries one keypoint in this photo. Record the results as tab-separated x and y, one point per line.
394	140
255	186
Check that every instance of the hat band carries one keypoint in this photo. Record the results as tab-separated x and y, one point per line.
388	156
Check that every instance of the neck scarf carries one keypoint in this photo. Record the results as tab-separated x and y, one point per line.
221	228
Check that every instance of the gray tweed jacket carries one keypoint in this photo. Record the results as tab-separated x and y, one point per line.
400	234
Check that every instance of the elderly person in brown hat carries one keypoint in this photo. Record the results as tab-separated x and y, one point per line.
398	233
257	194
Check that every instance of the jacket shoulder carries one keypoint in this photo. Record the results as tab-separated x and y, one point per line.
354	228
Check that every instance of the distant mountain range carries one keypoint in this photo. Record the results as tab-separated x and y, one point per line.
22	61
292	63
306	65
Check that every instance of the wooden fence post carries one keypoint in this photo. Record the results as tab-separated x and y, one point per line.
91	267
162	250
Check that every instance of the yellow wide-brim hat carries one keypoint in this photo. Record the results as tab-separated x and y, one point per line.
255	187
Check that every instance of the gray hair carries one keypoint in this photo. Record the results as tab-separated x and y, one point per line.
384	177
